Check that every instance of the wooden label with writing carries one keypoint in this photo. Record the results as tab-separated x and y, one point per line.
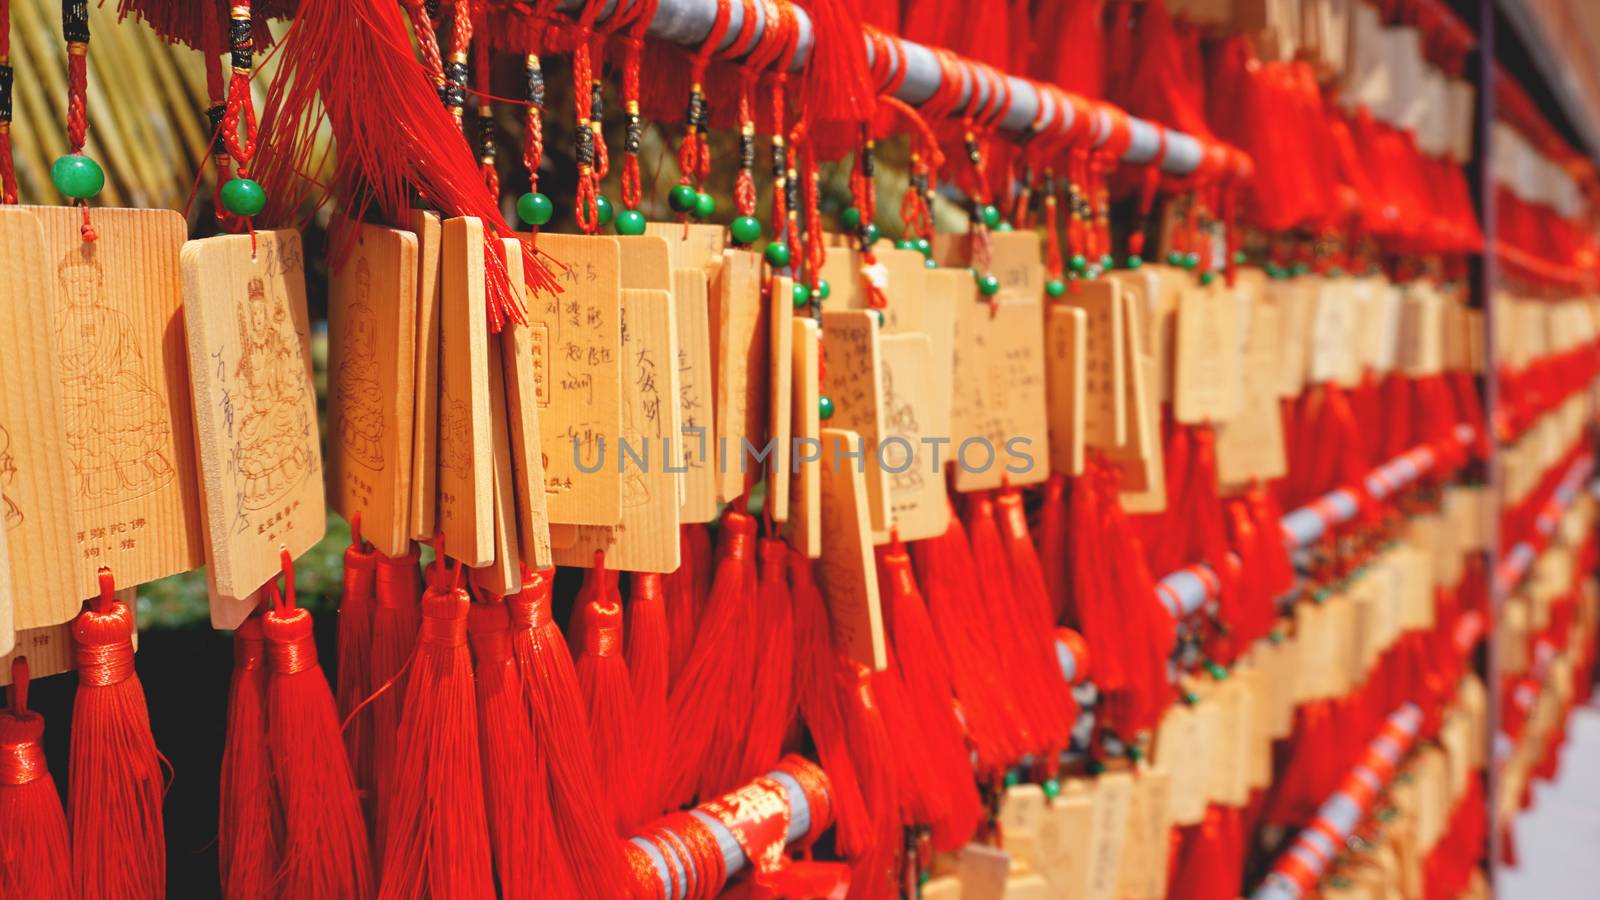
1064	837
122	368
1177	739
1333	333
647	263
1144	486
805	502
428	229
37	505
918	503
1258	727
372	387
849	578
780	396
1205	381
851	343
1421	344
1296	300
899	275
1113	798
520	380
1155	290
1066	359
1316	652
939	324
983	871
576	342
466	462
1001	429
696	390
739	359
1283	666
1250	446
48	649
255	410
646	540
1144	860
1105	411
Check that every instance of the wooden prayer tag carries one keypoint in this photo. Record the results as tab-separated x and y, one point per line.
527	454
123	372
37	505
373	390
1143	483
1205	381
647	264
1064	838
1066	358
805	502
1250	445
1296	300
739	348
780	396
1143	874
255	410
1421	346
983	871
939	324
576	346
1105	413
918	503
425	418
646	540
1113	797
849	578
504	575
466	441
695	247
48	649
1178	739
855	384
899	275
1000	420
696	434
8	631
1333	333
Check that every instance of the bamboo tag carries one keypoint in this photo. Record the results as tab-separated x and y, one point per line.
1022	811
1333	332
466	467
1144	486
805	503
647	538
255	411
1389	302
1066	357
520	383
1105	414
1205	376
696	434
780	396
504	575
1113	796
1004	435
576	348
855	384
123	372
1177	738
425	416
916	485
36	509
649	264
1064	839
739	356
939	324
900	275
1016	258
1144	860
48	649
695	247
1250	445
849	578
1421	347
372	385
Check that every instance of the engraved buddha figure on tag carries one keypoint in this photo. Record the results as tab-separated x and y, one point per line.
274	453
360	424
117	423
8	477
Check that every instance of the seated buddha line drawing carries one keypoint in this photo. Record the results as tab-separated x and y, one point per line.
274	428
360	424
119	429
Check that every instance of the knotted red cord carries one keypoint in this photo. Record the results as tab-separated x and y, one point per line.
586	205
643	13
785	192
694	153
770	44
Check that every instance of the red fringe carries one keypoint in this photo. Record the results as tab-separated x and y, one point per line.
774	709
37	861
613	714
356	612
396	618
686	592
646	646
515	774
249	826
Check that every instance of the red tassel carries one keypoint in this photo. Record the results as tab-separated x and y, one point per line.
515	775
1038	636
603	677
396	618
116	786
1052	546
837	92
583	837
325	847
711	703
37	859
248	830
1208	867
646	647
773	679
686	591
877	767
355	655
437	839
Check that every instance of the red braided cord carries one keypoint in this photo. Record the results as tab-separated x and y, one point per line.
694	158
460	40
642	12
587	202
427	41
602	156
77	95
481	76
533	130
778	81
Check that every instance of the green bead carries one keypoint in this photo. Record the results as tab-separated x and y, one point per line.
1335	272
1004	226
1174	258
925	247
801	295
1273	270
535	209
777	254
80	177
1055	287
705	206
1238	257
746	229
630	222
1135	261
878	315
1052	788
1106	262
988	285
930	264
850	218
1012	779
1078	262
824	289
1207	277
1191	261
870	234
905	244
682	198
1300	268
1135	754
991	215
824	407
604	213
240	196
